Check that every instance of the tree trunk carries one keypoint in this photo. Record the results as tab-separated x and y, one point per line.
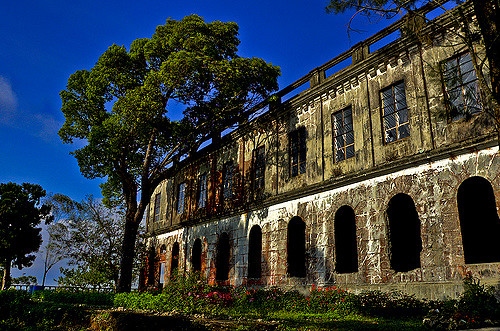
6	276
44	276
128	253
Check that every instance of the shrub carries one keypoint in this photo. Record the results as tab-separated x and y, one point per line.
477	302
390	304
66	296
13	302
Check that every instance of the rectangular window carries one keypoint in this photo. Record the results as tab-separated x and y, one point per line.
343	134
462	90
227	181
181	194
157	207
395	113
259	167
202	191
297	143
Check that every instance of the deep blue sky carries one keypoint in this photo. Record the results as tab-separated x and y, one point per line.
43	42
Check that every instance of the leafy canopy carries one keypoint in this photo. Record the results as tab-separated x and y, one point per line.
20	215
388	8
87	234
120	106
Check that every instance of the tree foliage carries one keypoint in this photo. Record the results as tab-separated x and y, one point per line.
20	214
89	235
121	109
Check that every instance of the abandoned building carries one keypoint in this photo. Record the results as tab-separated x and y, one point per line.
381	175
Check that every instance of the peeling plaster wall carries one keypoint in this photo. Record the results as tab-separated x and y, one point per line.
428	166
433	188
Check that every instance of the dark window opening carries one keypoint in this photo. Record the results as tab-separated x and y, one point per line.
227	183
196	255
404	233
462	90
255	252
175	259
346	251
259	168
343	135
296	247
202	191
181	196
479	222
395	113
297	143
157	207
222	259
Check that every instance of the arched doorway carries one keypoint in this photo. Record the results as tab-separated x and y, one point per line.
255	252
196	255
479	223
222	259
346	251
296	247
404	233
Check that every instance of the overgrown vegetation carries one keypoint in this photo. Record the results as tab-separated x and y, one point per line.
189	300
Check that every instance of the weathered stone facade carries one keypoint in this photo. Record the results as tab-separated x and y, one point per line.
416	178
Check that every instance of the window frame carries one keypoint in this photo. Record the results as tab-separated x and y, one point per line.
227	180
157	208
396	113
259	168
446	92
201	197
343	135
181	198
297	144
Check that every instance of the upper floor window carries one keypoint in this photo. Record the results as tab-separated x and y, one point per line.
395	113
227	181
157	207
343	134
181	196
462	91
259	164
297	145
202	191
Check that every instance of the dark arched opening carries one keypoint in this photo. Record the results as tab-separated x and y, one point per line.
163	251
196	255
404	233
222	259
152	266
255	252
346	257
175	259
296	247
479	221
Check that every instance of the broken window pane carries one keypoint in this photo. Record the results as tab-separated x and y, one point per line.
460	82
395	113
343	135
181	192
297	143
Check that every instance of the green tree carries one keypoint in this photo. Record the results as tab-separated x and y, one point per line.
120	108
487	18
89	235
20	214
